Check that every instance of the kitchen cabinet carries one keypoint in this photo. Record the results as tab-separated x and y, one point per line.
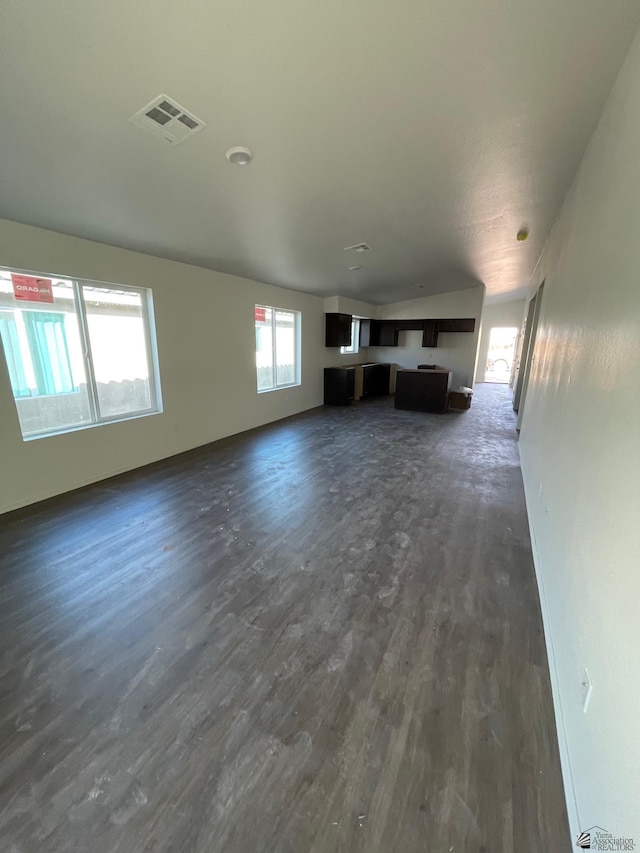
423	390
375	380
339	384
429	333
337	330
384	333
460	324
432	328
358	381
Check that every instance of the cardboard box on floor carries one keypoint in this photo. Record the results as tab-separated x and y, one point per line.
460	400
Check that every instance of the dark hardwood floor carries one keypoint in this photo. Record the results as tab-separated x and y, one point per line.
323	636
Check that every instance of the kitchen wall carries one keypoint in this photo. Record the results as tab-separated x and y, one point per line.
206	347
581	464
346	305
496	314
357	308
454	351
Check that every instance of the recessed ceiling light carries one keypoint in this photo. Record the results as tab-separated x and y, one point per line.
239	155
356	268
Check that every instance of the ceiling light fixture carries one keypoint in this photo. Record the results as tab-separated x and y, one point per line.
359	267
357	247
239	155
522	235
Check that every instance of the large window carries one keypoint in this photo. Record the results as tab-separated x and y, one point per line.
277	347
78	353
355	338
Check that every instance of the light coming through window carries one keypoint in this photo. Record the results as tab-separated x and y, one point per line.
277	347
78	353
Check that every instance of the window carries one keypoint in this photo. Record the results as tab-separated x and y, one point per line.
355	338
277	347
78	353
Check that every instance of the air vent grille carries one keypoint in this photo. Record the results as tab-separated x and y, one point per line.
168	107
157	115
166	119
192	124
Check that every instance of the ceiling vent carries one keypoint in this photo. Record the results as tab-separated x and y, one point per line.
359	247
167	120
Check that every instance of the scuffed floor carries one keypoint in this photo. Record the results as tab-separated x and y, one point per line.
321	637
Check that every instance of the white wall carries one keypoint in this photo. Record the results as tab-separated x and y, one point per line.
357	308
206	349
580	449
497	314
346	305
454	351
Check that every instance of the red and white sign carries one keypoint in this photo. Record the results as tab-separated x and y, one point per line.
28	288
261	315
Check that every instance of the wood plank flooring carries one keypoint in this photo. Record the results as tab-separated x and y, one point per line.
320	637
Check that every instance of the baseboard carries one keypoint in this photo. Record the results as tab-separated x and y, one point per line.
565	758
88	483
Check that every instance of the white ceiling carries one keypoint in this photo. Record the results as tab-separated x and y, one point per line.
431	129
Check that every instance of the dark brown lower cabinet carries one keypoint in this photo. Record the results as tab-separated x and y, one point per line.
423	390
359	381
339	384
375	380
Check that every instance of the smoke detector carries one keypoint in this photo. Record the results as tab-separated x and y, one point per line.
239	155
165	118
358	247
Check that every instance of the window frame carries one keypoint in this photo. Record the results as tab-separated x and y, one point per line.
355	338
297	326
80	312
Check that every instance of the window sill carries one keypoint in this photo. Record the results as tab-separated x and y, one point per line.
83	427
279	388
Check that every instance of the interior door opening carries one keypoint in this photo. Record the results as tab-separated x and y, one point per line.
502	348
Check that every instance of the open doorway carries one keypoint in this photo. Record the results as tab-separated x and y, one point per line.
526	359
502	347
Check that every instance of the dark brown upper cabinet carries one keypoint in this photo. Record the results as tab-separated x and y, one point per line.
337	330
429	333
365	333
384	333
409	325
457	325
432	328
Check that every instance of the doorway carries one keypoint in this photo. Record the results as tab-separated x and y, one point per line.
526	359
502	348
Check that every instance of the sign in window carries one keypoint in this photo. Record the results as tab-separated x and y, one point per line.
78	353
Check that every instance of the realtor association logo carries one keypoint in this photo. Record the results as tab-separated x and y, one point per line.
598	838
